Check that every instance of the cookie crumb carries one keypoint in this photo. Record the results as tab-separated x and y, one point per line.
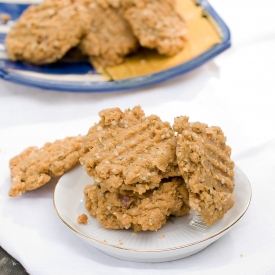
5	17
120	242
105	241
83	219
134	234
241	255
162	236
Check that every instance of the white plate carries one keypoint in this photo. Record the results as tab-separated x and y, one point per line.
179	238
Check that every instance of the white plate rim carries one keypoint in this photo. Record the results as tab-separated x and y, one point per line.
164	249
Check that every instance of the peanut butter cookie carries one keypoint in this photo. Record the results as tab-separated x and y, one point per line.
129	151
34	167
149	211
110	37
44	33
155	23
205	164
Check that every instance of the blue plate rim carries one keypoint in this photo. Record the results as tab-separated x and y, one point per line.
132	83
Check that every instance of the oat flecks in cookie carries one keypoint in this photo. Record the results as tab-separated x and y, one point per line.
110	37
34	167
44	33
149	211
157	25
205	164
129	151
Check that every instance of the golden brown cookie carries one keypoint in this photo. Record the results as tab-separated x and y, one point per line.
205	164
129	151
110	37
149	211
44	33
157	25
34	167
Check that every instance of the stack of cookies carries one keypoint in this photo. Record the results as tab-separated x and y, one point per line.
143	169
104	31
144	173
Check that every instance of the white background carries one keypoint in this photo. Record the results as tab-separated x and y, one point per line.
235	91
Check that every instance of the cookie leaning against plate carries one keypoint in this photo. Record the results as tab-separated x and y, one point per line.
129	151
110	37
44	33
149	211
205	164
34	167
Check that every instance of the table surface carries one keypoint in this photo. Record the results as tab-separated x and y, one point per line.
239	89
9	265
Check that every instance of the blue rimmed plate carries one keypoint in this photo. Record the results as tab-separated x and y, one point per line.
81	76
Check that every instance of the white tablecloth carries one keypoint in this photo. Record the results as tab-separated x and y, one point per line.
235	91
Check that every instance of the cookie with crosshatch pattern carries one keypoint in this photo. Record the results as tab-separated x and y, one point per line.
130	151
36	166
205	164
44	33
157	25
110	37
